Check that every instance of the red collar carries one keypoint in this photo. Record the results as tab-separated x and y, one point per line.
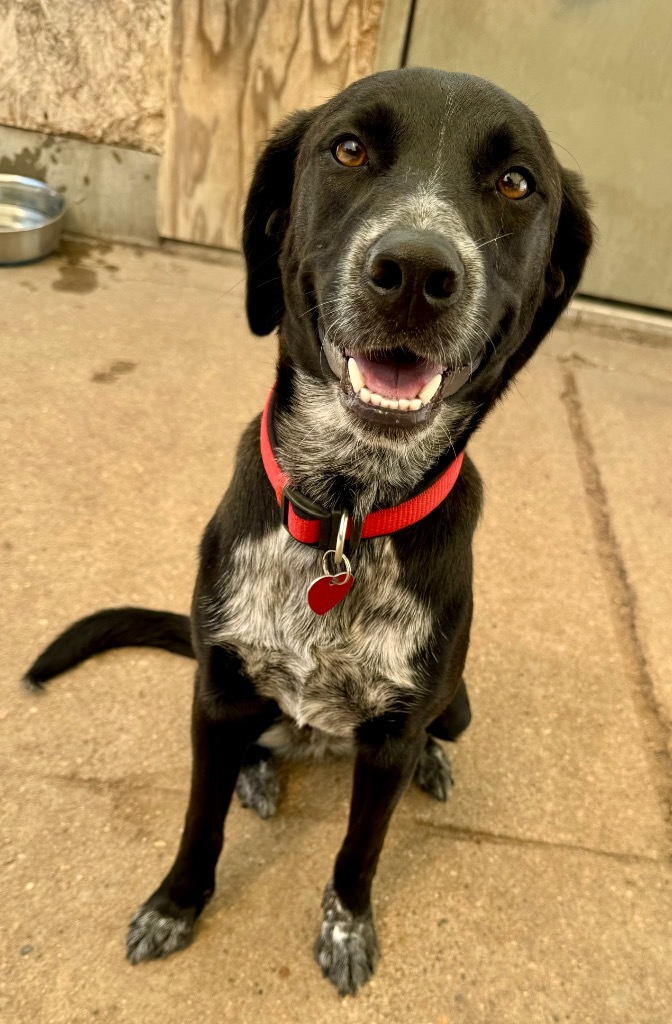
311	524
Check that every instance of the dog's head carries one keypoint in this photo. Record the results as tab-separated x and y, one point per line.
415	238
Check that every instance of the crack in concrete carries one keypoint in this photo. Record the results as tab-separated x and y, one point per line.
477	836
623	601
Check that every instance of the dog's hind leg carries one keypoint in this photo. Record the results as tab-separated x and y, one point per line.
452	722
433	774
227	717
258	785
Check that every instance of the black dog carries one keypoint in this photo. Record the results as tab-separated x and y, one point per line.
414	239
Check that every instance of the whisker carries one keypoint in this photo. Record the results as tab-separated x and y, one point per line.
250	270
495	239
320	305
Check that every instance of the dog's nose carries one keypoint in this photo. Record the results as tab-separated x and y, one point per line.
413	275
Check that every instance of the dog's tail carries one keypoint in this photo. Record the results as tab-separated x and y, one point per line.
104	630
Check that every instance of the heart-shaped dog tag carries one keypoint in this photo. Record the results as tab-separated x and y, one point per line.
327	591
330	588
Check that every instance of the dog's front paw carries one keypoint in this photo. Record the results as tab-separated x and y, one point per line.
347	947
433	772
153	934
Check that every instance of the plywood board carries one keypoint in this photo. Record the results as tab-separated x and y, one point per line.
237	69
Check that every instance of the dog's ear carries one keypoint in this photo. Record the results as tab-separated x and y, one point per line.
571	245
265	221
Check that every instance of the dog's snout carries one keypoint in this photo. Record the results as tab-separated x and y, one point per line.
413	275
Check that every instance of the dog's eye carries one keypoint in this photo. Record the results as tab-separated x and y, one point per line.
515	184
350	153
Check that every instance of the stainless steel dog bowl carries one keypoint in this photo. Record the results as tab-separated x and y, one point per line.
31	218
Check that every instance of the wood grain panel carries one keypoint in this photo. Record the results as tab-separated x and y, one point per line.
237	68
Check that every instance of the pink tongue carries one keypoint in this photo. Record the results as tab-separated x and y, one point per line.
392	379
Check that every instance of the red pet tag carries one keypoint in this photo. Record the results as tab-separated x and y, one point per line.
326	591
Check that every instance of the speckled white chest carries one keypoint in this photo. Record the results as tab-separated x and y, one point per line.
332	671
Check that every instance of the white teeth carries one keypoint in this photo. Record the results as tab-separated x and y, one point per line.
430	389
403	404
355	375
371	398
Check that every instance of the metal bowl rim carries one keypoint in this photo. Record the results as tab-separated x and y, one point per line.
20	179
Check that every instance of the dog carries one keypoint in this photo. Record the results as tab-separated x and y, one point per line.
413	239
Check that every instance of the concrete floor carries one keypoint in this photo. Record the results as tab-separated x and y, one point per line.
541	892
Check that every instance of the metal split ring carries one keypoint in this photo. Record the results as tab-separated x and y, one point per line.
340	538
334	575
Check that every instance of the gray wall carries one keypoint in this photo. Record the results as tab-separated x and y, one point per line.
599	74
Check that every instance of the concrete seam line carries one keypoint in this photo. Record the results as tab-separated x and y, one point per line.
579	360
623	602
477	836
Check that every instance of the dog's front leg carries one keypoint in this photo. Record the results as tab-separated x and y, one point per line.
347	946
225	720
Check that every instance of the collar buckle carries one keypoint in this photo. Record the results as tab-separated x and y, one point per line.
307	509
329	522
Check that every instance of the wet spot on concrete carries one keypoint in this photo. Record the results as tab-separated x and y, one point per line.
75	279
80	261
113	372
75	251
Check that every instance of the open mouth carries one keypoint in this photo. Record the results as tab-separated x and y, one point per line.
394	386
